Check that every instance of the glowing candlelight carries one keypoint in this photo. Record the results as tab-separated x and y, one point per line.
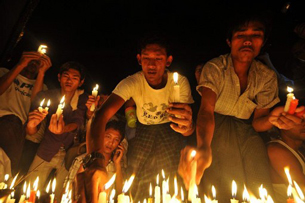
22	198
52	196
150	199
300	193
234	192
263	193
290	96
40	108
103	195
207	200
13	182
157	191
176	88
112	196
94	93
269	199
286	169
33	192
6	177
48	105
48	187
60	107
166	195
38	194
214	194
10	198
293	105
191	193
197	198
164	190
182	194
28	192
246	196
122	198
42	49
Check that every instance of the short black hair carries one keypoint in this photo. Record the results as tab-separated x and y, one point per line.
74	65
240	19
118	125
155	38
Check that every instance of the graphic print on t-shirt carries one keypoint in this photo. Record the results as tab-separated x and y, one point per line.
24	88
154	114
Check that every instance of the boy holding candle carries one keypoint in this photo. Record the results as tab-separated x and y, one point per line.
18	87
233	87
60	132
283	151
158	142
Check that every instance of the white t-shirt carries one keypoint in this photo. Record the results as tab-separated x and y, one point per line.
16	99
152	103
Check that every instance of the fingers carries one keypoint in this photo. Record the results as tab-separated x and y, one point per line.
184	168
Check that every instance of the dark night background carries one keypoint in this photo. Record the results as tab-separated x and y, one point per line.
103	34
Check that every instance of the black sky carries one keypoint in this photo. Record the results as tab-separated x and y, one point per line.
103	34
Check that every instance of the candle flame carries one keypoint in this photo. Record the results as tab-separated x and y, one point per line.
263	192
70	194
63	105
196	190
13	182
12	195
144	201
42	48
67	187
53	185
28	191
289	190
35	185
300	193
128	183
269	199
213	192
234	189
48	187
207	200
42	102
288	175
150	190
176	77
24	187
110	182
96	87
163	174
167	185
193	153
6	176
49	103
38	194
112	194
157	181
246	196
289	89
62	100
182	194
176	186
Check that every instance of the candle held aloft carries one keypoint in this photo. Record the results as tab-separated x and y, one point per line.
40	108
60	107
290	96
94	93
176	91
42	49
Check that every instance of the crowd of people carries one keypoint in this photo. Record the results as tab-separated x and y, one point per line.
239	103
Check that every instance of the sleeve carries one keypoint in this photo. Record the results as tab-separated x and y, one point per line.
211	77
78	116
185	92
268	96
126	88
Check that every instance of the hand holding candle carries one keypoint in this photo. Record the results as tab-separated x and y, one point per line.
60	107
42	49
94	93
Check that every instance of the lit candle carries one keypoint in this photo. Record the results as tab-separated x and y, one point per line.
38	195
299	191
28	194
94	93
197	198
42	49
33	192
3	185
52	196
293	105
234	191
150	199
182	195
103	195
163	186
48	105
263	193
246	196
112	194
122	198
22	198
166	195
207	200
157	191
40	108
289	194
176	88
60	107
10	198
269	199
214	194
192	192
65	196
290	96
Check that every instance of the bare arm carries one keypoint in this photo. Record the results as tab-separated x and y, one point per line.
102	116
261	120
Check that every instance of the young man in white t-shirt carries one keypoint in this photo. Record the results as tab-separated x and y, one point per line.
18	87
159	133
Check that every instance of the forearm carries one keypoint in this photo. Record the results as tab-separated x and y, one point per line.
38	85
70	127
261	124
8	78
205	128
119	178
31	130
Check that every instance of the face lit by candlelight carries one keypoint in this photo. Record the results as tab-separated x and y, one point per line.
154	60
112	139
70	80
247	42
